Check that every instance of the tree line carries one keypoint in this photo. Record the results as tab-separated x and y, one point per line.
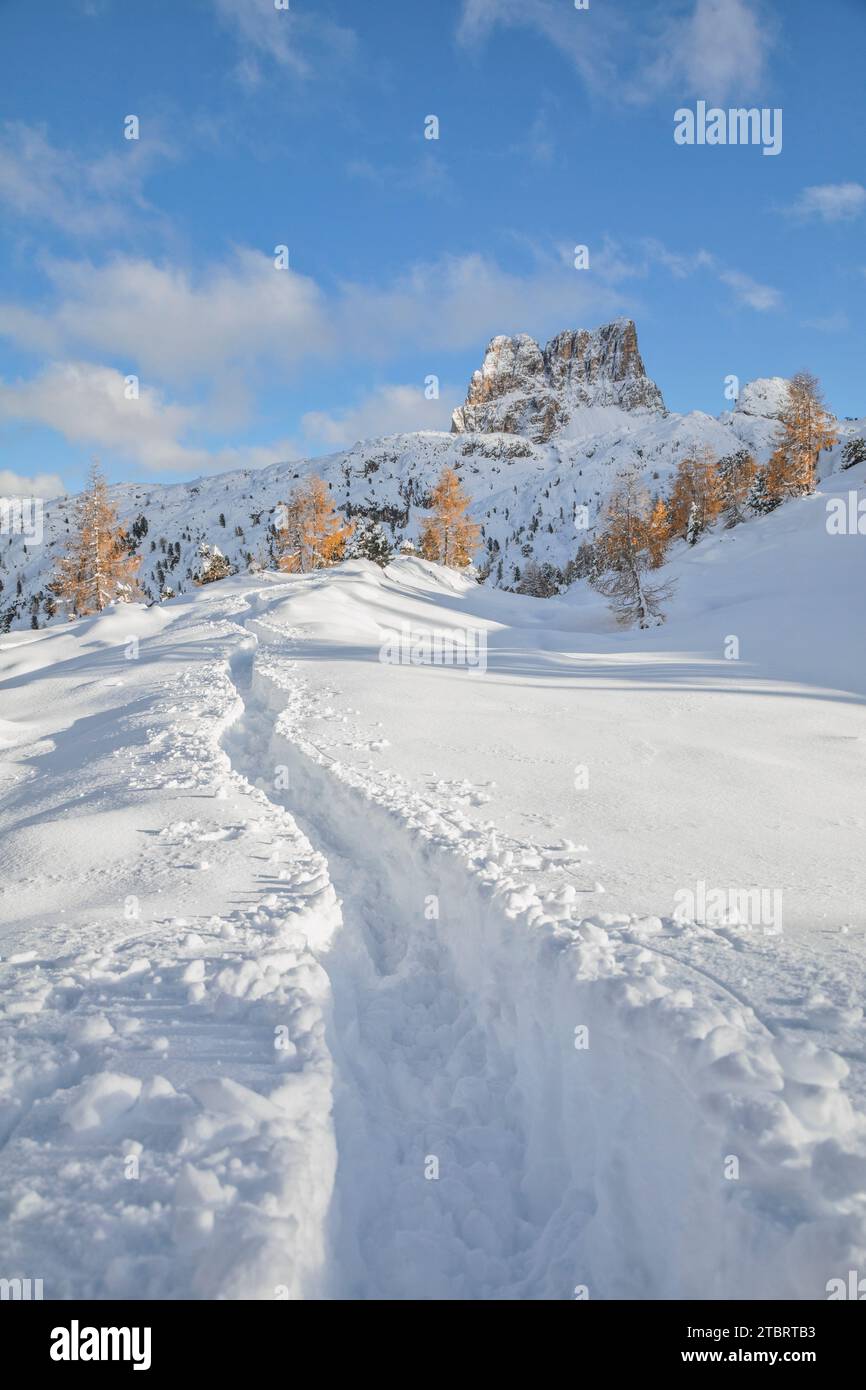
639	529
100	567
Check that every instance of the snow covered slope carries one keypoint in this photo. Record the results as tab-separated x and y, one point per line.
528	496
325	976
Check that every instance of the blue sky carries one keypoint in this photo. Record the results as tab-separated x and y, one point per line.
261	127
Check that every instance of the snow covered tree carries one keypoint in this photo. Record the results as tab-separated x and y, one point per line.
693	529
695	499
761	497
448	536
627	556
854	452
632	598
588	563
807	429
97	568
213	564
737	474
310	534
369	542
540	581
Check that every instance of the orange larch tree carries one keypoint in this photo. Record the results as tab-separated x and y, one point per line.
658	533
807	429
448	537
311	535
782	478
625	548
97	568
696	497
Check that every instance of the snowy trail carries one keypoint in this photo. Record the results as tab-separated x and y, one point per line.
482	1154
419	1084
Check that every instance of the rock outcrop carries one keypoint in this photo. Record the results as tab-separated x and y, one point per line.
525	389
766	397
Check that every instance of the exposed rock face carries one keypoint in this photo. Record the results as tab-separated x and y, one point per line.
524	389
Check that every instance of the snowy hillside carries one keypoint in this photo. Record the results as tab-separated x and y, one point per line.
329	975
529	497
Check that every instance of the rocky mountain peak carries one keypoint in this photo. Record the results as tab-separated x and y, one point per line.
525	389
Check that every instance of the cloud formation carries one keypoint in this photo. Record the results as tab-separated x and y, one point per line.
706	48
746	290
89	405
588	46
171	324
387	410
224	333
45	184
35	485
242	316
750	292
831	202
283	40
716	50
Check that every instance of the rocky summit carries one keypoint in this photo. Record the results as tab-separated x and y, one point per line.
525	389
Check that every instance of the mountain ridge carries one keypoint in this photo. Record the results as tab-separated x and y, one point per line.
535	500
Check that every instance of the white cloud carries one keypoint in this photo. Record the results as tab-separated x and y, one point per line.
86	403
388	410
235	328
750	292
837	322
708	48
283	38
583	39
36	485
42	183
721	48
457	302
245	319
832	202
171	326
682	265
